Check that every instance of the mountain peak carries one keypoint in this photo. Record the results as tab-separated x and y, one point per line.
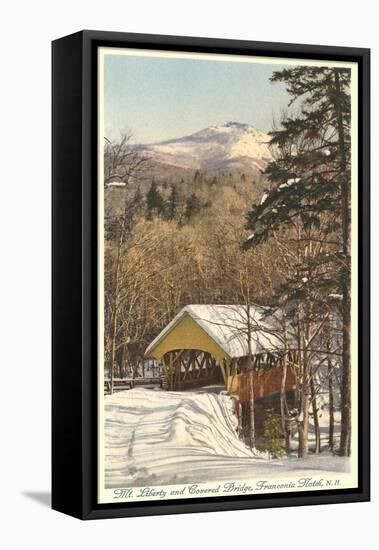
233	124
232	146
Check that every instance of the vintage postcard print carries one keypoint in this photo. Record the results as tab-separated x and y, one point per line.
227	275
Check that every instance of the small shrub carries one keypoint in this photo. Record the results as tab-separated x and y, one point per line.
273	441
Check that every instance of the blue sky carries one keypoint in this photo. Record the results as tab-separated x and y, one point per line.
161	98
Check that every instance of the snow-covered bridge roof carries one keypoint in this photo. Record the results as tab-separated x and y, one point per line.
226	325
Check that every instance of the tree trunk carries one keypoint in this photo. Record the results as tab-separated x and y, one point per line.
303	426
331	404
300	433
315	417
122	363
113	338
252	408
330	395
305	399
303	422
345	441
346	300
251	377
115	311
283	407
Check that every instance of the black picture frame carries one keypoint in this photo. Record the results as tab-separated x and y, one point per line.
74	272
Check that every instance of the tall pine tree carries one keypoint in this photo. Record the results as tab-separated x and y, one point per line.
192	206
154	202
310	183
172	203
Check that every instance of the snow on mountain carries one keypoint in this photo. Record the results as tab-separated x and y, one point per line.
233	146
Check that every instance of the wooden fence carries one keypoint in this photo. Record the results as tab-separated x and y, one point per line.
120	384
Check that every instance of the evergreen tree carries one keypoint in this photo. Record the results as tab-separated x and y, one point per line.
154	202
273	434
192	206
172	203
310	187
197	176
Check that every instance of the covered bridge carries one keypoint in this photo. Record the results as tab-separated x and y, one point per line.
204	344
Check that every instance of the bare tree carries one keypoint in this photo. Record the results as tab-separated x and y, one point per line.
124	162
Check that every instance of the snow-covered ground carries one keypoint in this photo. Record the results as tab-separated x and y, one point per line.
163	438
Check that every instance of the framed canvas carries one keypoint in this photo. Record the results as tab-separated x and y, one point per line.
210	275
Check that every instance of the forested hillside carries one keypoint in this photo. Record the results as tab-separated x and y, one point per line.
185	240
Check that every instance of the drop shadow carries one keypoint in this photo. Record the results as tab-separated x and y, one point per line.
41	497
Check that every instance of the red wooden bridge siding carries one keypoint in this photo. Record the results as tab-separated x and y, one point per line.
266	382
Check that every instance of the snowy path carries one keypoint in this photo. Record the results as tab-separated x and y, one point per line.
161	438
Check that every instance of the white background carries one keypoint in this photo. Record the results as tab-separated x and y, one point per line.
27	29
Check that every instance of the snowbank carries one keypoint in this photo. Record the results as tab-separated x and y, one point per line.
163	438
170	437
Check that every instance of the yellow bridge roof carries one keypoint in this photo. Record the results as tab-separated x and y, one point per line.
221	330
